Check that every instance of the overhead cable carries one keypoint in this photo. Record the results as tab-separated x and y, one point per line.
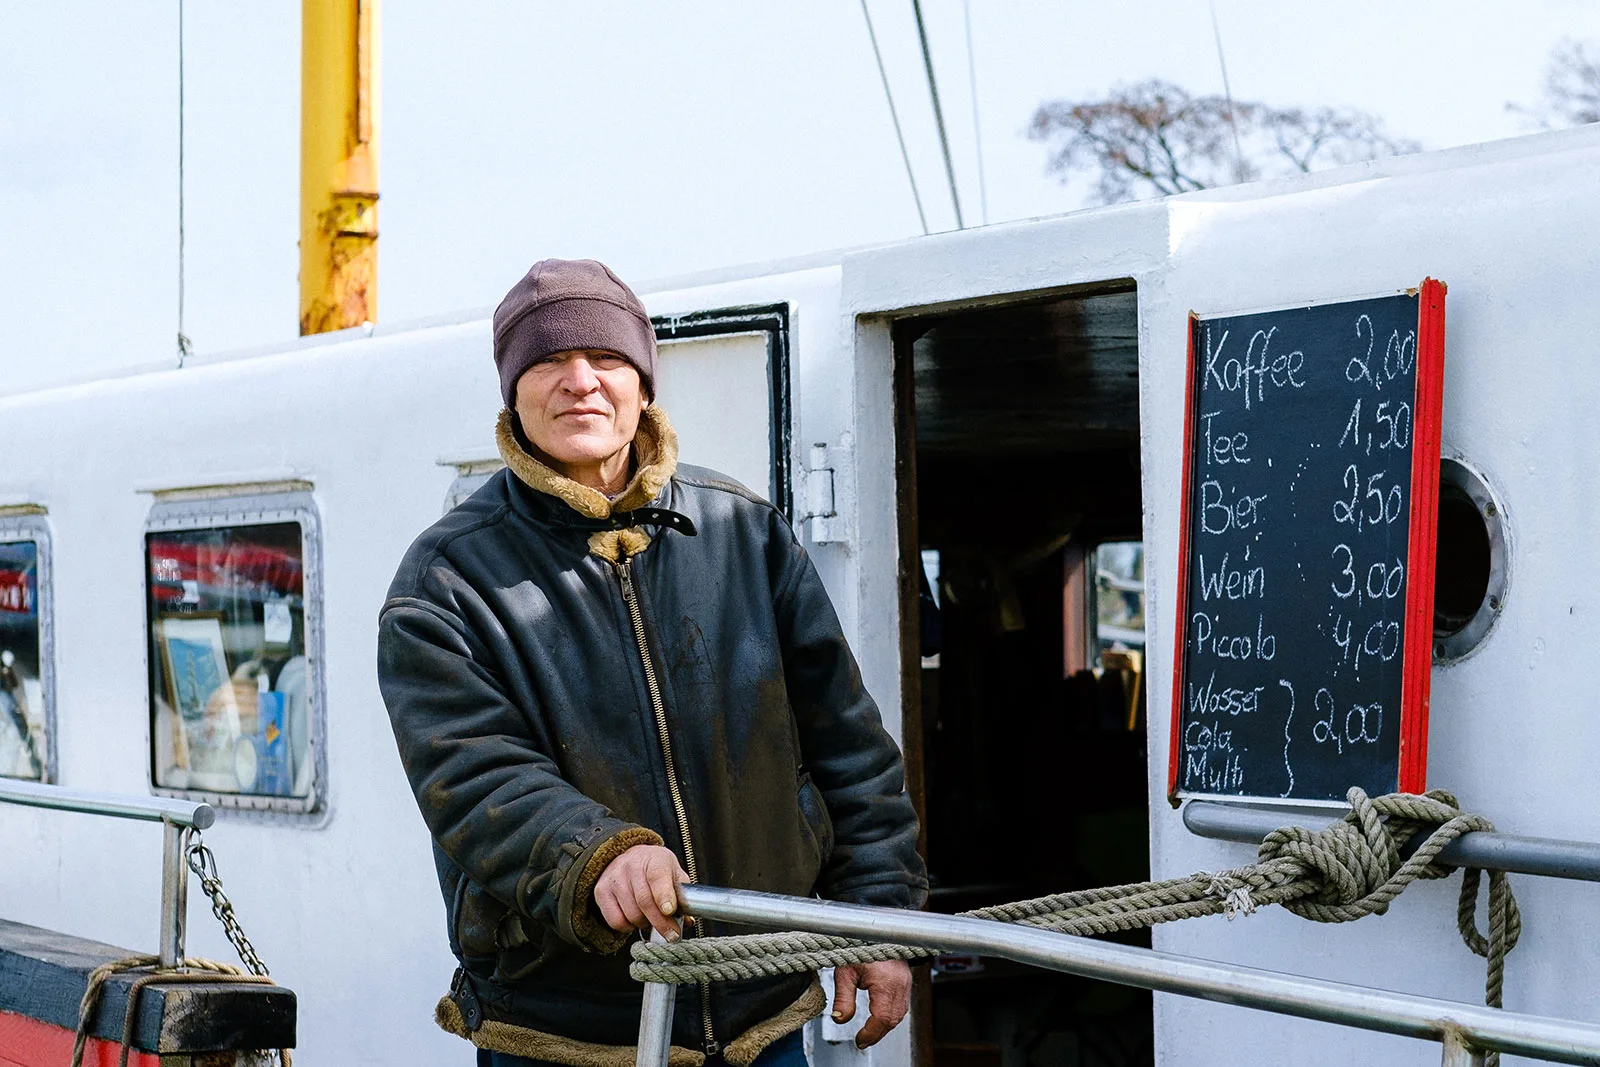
1227	94
938	112
977	131
895	117
183	340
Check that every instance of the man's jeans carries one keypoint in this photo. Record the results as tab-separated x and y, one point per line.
788	1051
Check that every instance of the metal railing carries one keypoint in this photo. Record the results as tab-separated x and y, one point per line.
178	819
1498	852
1466	1031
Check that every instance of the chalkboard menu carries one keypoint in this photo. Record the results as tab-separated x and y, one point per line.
1305	606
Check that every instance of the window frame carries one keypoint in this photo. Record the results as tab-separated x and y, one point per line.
1091	563
471	474
29	522
230	507
768	321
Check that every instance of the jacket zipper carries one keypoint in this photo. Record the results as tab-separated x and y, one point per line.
679	811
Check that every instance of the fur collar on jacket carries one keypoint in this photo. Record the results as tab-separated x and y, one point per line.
655	446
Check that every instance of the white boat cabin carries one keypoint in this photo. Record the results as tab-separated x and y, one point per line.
981	436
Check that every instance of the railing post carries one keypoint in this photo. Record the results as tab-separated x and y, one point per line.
174	892
179	819
1457	1053
655	1020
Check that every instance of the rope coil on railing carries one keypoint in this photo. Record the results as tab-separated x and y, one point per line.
1354	868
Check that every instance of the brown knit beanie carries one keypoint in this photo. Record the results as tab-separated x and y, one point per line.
565	304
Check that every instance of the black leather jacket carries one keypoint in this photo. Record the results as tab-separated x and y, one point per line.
535	732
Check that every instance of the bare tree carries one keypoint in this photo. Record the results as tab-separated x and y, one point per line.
1570	95
1310	139
1155	138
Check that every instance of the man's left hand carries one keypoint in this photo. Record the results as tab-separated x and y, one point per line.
888	987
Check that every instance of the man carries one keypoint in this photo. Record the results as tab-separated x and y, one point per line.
608	674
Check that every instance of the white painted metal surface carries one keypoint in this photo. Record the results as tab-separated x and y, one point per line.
1512	230
330	901
1510	227
719	387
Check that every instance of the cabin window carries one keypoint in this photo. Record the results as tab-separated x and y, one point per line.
27	742
1118	598
723	379
471	474
233	602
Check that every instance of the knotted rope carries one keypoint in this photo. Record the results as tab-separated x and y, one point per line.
1354	868
194	970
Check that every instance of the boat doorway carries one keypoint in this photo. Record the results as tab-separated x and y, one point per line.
1022	589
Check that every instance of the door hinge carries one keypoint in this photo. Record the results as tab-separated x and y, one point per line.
829	499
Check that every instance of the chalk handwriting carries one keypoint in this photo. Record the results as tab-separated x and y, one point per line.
1219	514
1251	374
1399	356
1380	640
1227	701
1299	525
1236	583
1224	448
1203	774
1382	582
1376	506
1288	721
1362	723
1391	427
1207	634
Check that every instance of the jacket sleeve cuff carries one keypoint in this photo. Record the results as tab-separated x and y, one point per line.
578	918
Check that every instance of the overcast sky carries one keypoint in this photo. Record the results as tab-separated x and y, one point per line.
662	138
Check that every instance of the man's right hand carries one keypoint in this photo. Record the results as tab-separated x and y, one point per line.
639	890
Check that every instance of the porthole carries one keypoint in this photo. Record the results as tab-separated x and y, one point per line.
1470	574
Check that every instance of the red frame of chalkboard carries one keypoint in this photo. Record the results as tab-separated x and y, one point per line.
1181	625
1414	685
1424	532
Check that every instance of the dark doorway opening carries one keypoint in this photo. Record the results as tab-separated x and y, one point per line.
1022	584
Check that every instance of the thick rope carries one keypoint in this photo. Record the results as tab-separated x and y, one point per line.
1352	869
194	970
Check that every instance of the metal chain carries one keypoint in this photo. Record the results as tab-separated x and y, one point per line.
203	863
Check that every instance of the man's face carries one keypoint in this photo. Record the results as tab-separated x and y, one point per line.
581	406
